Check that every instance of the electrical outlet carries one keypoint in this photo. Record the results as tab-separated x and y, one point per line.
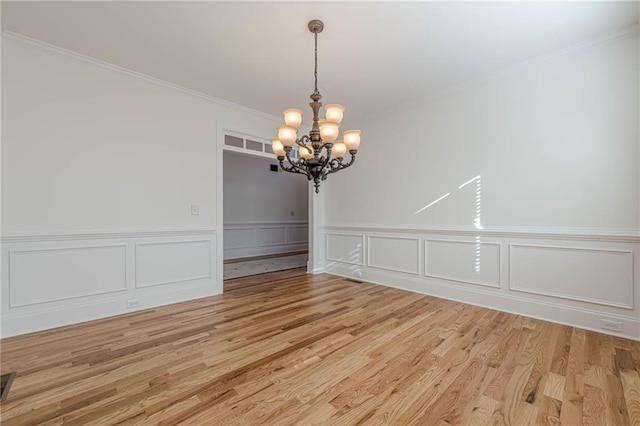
195	209
611	325
132	304
357	274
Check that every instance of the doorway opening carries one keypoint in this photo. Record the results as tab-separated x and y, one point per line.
265	211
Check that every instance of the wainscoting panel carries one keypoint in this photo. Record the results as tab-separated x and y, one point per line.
238	238
172	262
598	276
47	275
472	262
297	234
271	236
249	239
345	248
54	280
397	254
589	279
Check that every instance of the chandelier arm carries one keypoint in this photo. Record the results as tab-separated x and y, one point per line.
302	142
295	168
327	160
337	164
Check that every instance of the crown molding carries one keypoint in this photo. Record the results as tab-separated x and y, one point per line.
627	32
109	66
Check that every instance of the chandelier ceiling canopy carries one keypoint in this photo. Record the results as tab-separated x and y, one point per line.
310	160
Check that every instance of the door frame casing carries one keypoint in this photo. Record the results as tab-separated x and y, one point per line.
316	206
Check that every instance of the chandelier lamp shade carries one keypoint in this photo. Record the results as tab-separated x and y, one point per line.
320	152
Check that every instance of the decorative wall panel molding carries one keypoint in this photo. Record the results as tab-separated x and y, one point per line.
600	276
46	275
250	239
298	234
50	283
345	248
587	283
173	262
472	262
400	254
239	238
271	236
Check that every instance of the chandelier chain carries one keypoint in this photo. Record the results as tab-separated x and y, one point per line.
315	72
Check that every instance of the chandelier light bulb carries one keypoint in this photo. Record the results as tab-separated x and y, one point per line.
334	113
277	148
329	131
287	135
306	153
339	149
293	117
351	139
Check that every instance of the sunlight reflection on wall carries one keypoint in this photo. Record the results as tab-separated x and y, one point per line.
477	222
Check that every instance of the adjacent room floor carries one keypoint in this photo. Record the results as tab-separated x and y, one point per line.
245	267
290	348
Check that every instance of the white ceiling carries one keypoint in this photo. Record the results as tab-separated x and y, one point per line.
372	55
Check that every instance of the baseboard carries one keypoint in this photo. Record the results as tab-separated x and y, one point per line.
16	324
584	279
553	312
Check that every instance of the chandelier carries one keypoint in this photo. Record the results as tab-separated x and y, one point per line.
311	161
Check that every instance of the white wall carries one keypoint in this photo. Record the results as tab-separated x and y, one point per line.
253	193
257	208
555	145
100	168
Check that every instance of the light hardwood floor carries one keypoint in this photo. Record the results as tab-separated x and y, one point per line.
287	348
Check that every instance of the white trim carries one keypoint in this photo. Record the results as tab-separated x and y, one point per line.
91	304
574	311
257	250
487	298
268	155
106	65
293	227
570	297
219	196
16	237
12	253
241	225
443	277
284	232
580	234
253	251
362	244
14	324
138	284
386	268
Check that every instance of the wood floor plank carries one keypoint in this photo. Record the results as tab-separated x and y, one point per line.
291	348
